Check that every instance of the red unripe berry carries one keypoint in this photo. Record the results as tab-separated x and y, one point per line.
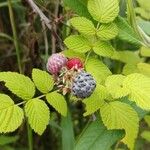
74	62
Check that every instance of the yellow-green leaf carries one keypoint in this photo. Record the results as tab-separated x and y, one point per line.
77	43
11	116
114	84
118	115
58	102
104	11
38	115
99	70
104	49
18	84
144	68
42	80
145	51
83	25
139	86
107	31
96	100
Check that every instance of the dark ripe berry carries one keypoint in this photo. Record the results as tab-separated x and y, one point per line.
74	63
83	85
55	63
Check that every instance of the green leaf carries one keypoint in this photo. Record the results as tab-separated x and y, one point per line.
77	43
144	68
58	102
145	51
96	137
114	85
11	116
96	100
146	135
147	119
139	86
130	68
73	54
127	57
99	70
18	84
118	115
4	140
78	6
38	115
104	11
126	33
104	49
42	80
68	139
144	4
83	25
107	31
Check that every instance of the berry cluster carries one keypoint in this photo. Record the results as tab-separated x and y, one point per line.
70	76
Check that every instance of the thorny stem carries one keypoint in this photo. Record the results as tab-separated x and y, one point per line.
45	40
15	38
87	57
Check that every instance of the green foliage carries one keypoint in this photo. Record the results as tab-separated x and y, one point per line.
104	49
126	33
77	43
139	86
95	136
146	135
96	100
42	80
83	25
103	11
58	102
107	31
11	116
38	115
114	85
126	57
99	70
145	51
117	115
78	6
4	140
18	84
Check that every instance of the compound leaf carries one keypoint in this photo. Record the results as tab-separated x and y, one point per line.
42	80
38	115
104	11
11	116
118	115
58	102
18	84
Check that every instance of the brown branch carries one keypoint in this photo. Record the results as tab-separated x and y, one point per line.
36	9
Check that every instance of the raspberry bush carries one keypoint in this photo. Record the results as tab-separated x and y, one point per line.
96	86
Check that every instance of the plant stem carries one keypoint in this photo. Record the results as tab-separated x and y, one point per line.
13	26
30	137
